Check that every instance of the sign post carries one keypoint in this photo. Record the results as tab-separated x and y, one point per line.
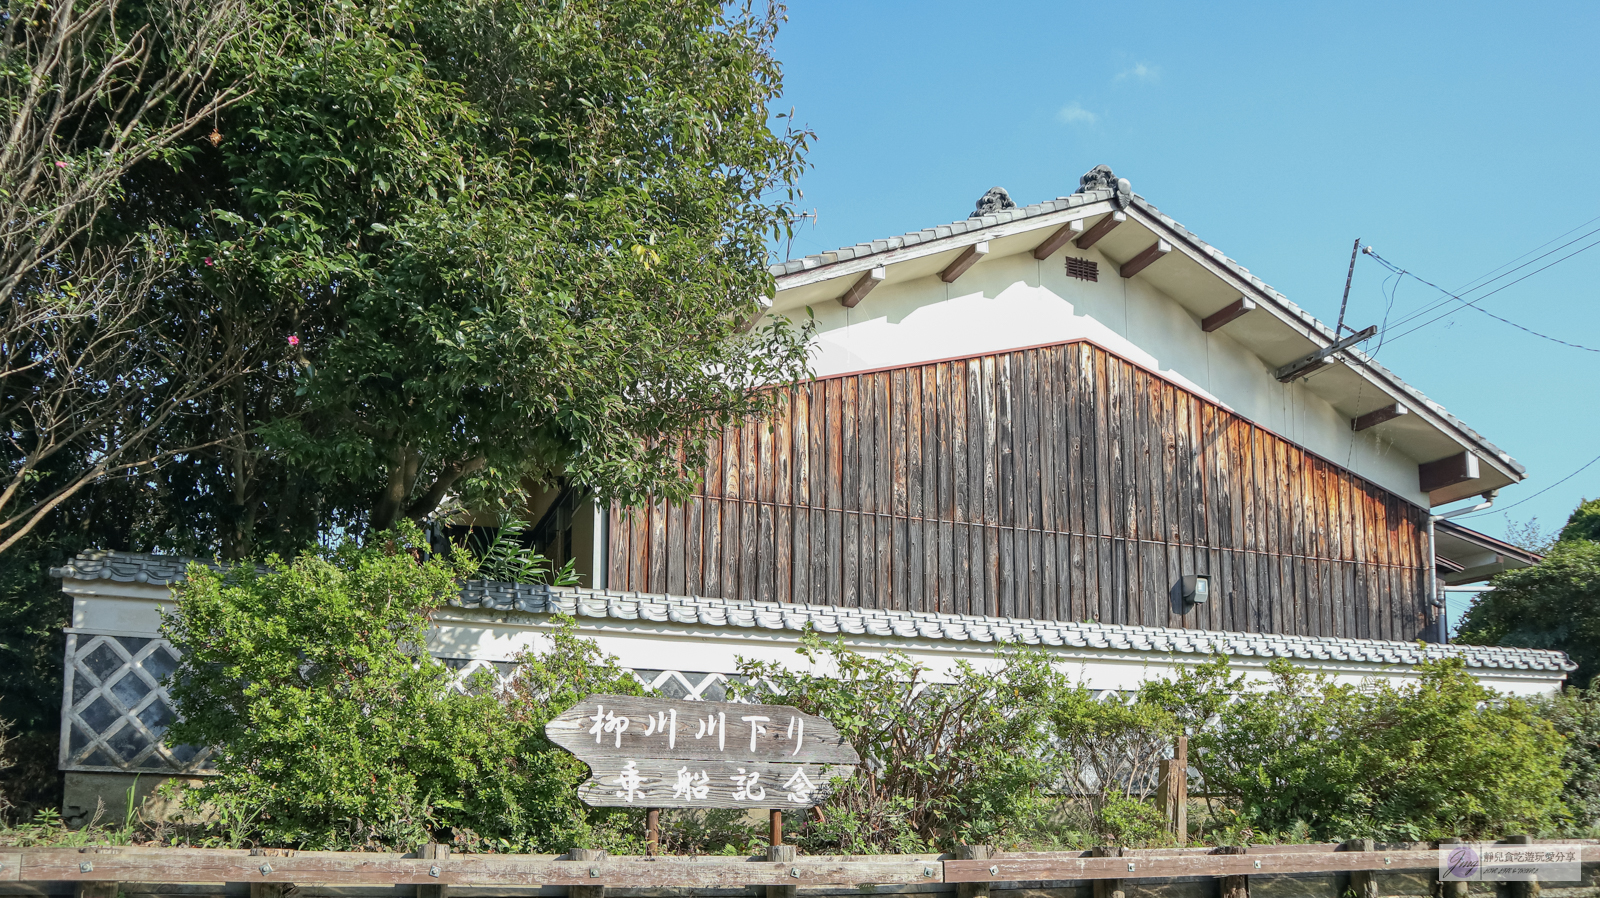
657	753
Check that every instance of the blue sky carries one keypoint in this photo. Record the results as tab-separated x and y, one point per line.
1454	138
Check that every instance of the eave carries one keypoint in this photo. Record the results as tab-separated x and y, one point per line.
1201	279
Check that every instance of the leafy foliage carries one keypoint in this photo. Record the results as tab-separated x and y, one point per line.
1575	713
337	730
1584	522
504	558
1554	604
943	762
1108	749
515	242
1439	756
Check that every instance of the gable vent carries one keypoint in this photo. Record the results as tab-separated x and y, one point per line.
1083	269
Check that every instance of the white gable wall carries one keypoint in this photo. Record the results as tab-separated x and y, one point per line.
1016	301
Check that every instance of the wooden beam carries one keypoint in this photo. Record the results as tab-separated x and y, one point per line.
1227	313
1458	468
964	261
863	286
1142	261
1101	228
1323	356
1378	416
1059	239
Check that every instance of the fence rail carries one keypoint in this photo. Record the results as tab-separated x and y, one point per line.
974	867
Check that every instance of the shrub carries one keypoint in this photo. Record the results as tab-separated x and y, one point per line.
1107	750
1575	713
336	729
1439	756
942	763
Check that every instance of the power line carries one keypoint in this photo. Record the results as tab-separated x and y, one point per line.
1535	495
1474	304
1485	279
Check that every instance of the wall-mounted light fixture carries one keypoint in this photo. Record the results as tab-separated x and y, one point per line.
1196	589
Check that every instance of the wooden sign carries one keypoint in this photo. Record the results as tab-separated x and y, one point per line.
664	753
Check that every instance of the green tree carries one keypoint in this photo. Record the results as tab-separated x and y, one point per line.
1554	604
1584	523
512	242
336	729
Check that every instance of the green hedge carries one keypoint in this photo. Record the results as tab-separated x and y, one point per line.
339	731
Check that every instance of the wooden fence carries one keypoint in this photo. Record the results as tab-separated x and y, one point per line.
1364	870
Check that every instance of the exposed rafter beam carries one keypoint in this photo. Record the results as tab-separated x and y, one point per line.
863	286
1142	261
1058	239
1227	313
967	259
1378	416
1323	356
1101	228
1458	468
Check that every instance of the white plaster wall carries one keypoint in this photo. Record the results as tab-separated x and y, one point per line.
1017	301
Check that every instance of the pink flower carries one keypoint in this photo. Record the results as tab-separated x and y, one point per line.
294	340
208	261
61	165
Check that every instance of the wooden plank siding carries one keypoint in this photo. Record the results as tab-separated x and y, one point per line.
1059	482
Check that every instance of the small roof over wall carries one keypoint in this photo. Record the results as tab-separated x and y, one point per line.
909	626
1467	556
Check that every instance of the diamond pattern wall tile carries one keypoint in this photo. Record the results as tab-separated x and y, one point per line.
130	689
160	663
100	715
103	661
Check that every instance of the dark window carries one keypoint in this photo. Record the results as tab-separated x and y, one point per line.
1082	269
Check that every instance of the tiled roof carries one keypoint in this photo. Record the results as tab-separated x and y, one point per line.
845	254
125	567
1062	203
709	612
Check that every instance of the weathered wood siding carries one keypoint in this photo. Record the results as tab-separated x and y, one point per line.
1060	482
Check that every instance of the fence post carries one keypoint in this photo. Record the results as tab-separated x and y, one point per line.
1107	888
1172	790
592	856
1362	882
1449	888
265	889
435	852
972	889
781	854
1532	887
1233	886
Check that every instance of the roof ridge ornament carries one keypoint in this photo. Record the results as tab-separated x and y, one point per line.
1101	178
996	200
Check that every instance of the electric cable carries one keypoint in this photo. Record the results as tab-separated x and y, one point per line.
1474	303
1535	495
